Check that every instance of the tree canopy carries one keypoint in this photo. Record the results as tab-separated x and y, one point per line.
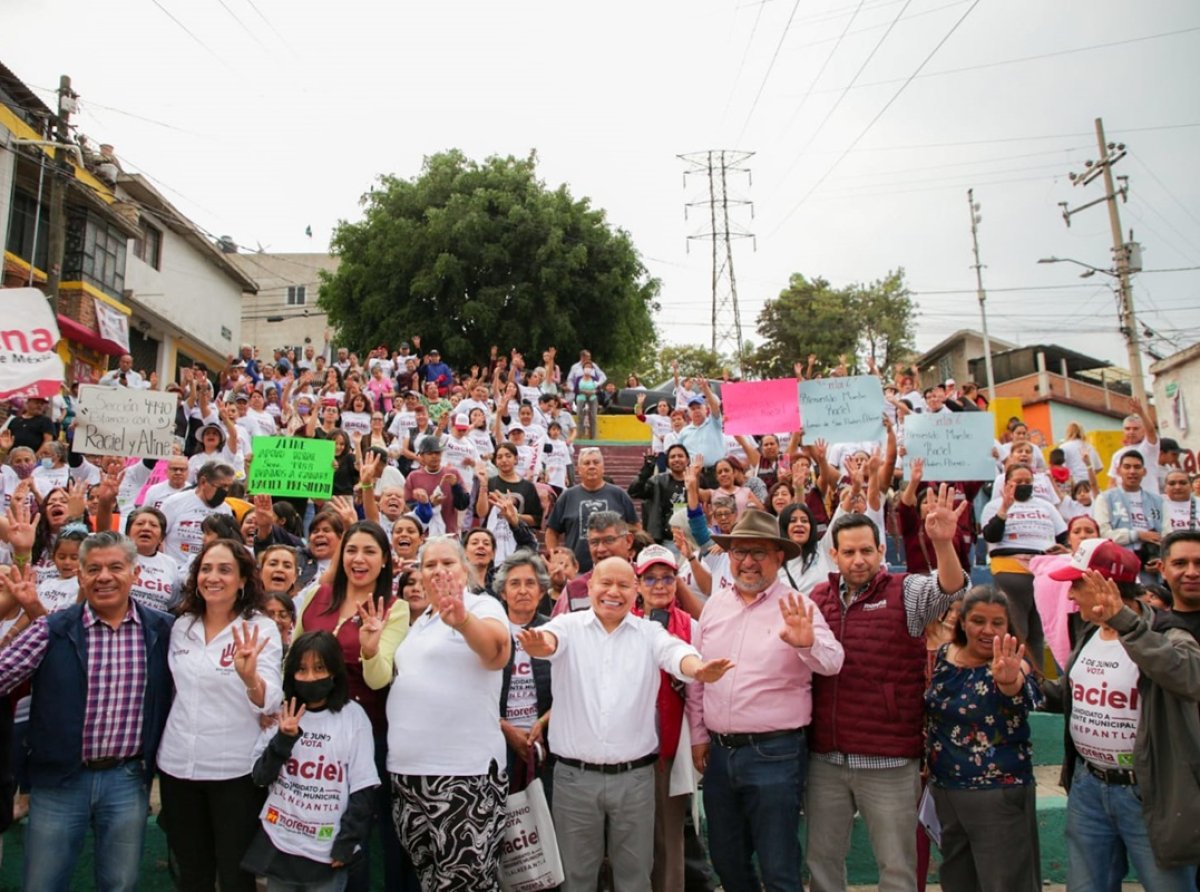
695	361
469	255
858	322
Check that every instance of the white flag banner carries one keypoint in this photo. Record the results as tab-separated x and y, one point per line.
28	335
112	324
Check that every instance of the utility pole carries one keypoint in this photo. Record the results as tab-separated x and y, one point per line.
56	239
1110	154
976	219
715	165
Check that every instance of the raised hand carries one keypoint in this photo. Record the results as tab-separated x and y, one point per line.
370	468
20	584
797	621
246	648
344	507
710	671
76	498
373	617
917	470
21	531
264	515
941	523
6	440
1098	597
1007	656
537	643
109	486
681	542
289	718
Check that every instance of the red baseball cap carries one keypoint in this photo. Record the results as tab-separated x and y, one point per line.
1104	556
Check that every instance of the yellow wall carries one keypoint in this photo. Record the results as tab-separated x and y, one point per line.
1004	408
1106	443
622	428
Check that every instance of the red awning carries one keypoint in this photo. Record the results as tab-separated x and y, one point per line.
73	331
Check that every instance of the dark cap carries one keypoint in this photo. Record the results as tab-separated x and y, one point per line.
429	443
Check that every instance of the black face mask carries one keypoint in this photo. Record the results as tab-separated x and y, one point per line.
218	497
311	692
1023	492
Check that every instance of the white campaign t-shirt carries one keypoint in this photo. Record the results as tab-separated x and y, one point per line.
443	693
1043	487
483	442
556	461
334	757
57	593
1030	526
159	493
356	423
522	692
185	512
159	575
1073	454
1105	706
1181	515
660	426
1137	510
455	452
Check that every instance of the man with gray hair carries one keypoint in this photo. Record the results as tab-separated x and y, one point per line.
608	535
568	523
101	693
1140	433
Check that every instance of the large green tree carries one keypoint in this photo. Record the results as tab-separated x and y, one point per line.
858	322
469	255
695	361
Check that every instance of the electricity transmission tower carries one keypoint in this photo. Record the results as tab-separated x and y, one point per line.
716	167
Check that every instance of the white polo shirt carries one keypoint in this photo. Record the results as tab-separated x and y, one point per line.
605	685
213	726
443	711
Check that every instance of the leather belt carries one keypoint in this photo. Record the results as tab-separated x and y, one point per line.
733	741
610	768
1123	777
110	762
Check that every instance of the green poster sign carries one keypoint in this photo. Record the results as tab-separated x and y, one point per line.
292	466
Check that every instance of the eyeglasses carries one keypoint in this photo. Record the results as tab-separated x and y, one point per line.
757	554
606	541
658	580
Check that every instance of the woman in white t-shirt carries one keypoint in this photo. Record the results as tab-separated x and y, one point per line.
1017	526
1080	455
225	659
446	753
160	577
1043	486
1181	509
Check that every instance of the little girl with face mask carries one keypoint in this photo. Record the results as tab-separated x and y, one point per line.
319	762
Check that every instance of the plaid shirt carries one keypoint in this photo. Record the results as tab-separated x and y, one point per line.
116	680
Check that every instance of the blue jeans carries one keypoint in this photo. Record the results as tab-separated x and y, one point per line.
1106	830
752	798
114	803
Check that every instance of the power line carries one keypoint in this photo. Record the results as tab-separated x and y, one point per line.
868	28
1003	139
233	15
837	102
767	75
825	64
274	30
191	34
742	65
1018	60
878	115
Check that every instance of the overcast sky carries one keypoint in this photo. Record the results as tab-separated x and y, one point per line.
261	117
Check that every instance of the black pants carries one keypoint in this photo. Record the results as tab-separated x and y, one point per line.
1023	610
209	826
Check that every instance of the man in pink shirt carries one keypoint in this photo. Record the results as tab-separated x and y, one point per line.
748	728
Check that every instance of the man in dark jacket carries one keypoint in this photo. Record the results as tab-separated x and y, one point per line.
661	493
1129	692
101	693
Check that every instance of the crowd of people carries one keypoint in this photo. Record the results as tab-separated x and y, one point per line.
320	686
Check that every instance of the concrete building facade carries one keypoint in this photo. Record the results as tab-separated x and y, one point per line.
283	313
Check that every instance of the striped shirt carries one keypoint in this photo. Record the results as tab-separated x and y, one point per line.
116	680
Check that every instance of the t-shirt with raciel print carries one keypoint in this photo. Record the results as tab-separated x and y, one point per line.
1105	703
158	581
334	757
1181	515
56	593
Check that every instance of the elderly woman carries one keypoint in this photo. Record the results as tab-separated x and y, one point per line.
979	753
446	753
522	581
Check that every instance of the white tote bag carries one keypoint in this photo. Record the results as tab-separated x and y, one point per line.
529	860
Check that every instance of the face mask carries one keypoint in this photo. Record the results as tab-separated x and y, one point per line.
1023	492
47	463
218	497
23	471
313	691
302	410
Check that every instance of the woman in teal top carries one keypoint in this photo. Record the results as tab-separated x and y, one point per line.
979	754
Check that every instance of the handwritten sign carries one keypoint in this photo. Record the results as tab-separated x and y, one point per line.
842	410
292	466
29	365
123	421
954	445
761	407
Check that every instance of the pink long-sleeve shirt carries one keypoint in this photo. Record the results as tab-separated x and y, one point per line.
770	685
